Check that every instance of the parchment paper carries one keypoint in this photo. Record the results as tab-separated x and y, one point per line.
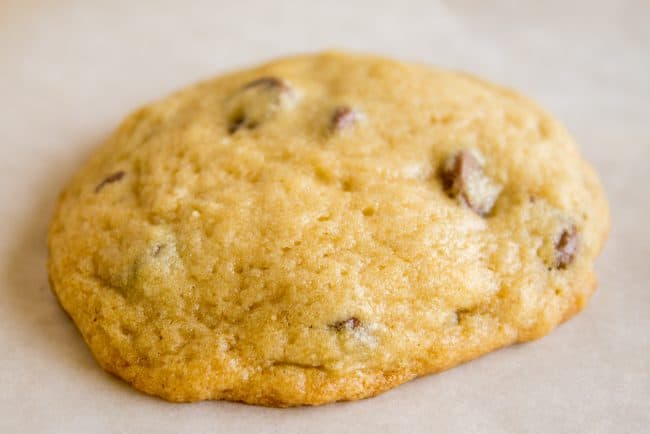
70	70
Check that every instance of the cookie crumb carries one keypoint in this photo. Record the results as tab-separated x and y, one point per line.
463	178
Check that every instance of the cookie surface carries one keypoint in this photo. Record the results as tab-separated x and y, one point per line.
321	228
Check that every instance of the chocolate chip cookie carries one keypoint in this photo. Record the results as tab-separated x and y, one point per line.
322	228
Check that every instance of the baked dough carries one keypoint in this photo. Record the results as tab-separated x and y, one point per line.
321	228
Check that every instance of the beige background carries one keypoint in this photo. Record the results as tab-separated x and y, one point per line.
70	70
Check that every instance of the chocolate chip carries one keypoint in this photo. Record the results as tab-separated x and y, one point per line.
265	82
110	179
236	123
456	170
347	324
257	101
463	178
343	118
566	247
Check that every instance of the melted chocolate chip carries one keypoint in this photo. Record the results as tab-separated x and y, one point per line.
343	117
114	177
348	324
265	82
257	101
566	247
237	123
463	178
456	171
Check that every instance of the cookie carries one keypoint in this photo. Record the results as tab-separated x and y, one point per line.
321	228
